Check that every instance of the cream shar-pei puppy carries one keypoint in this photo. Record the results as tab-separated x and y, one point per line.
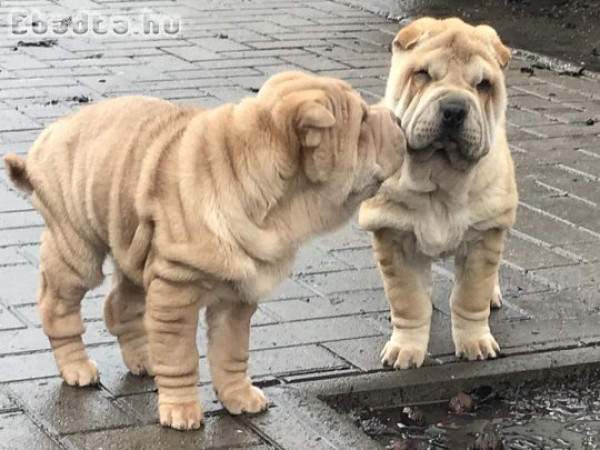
196	208
455	193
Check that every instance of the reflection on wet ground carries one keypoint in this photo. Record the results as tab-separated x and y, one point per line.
565	29
548	415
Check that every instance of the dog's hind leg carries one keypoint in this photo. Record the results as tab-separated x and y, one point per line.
69	267
124	316
228	342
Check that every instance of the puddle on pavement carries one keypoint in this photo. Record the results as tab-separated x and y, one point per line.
555	415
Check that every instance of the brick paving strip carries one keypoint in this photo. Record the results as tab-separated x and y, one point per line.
321	334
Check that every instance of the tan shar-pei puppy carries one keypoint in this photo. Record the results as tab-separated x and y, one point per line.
455	193
197	208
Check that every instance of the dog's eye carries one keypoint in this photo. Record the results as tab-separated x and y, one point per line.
484	85
422	75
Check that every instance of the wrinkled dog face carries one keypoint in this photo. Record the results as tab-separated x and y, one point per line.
447	87
346	148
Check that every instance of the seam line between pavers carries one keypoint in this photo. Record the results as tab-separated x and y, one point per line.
546	245
558	219
45	428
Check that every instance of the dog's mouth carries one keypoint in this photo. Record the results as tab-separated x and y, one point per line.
447	151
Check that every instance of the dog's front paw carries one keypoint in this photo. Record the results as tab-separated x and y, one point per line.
181	416
496	300
403	353
476	344
80	373
248	399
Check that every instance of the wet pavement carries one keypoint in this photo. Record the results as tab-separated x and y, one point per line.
564	29
320	335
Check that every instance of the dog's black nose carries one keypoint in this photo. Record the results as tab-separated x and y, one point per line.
453	111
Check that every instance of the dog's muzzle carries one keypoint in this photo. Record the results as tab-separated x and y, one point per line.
452	133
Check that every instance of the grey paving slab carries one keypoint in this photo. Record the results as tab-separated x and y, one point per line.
6	404
65	409
8	320
32	366
348	303
218	432
301	422
34	339
17	431
19	284
332	282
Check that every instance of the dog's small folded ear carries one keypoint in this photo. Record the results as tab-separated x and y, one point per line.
312	118
411	34
501	52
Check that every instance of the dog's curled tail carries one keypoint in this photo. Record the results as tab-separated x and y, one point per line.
17	171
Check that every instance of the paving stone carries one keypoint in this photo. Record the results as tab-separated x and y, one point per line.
19	284
6	404
17	61
573	275
281	361
311	259
349	303
299	421
194	53
547	228
68	409
15	120
200	102
530	255
220	45
239	62
586	250
8	321
309	331
9	256
332	282
17	431
35	365
13	219
34	339
221	432
359	258
165	62
314	62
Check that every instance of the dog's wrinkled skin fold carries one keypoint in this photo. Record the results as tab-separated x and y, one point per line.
455	193
197	208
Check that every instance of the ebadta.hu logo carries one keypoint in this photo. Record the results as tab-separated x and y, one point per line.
91	23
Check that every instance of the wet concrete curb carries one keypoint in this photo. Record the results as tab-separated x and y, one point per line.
392	388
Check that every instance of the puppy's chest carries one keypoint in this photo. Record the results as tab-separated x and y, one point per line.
440	230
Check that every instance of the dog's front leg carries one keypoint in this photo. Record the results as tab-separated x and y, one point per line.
172	320
228	350
407	282
476	285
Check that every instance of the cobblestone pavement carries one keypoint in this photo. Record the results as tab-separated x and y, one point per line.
329	321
